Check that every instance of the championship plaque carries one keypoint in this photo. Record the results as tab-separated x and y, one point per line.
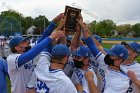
71	14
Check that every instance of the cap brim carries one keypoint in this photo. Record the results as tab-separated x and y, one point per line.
76	54
124	43
108	51
127	44
25	39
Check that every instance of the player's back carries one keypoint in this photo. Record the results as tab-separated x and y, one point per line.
51	80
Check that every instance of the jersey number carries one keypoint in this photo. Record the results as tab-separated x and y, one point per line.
41	86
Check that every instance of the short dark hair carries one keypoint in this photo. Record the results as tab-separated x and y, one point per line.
58	58
13	50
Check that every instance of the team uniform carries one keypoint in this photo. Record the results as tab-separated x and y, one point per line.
21	66
19	74
51	80
112	81
79	78
135	67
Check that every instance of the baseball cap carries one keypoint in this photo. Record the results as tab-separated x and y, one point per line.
69	37
118	50
98	38
133	45
82	51
16	40
60	50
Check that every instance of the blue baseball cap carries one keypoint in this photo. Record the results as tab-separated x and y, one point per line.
133	45
82	51
69	37
60	50
118	50
98	38
17	40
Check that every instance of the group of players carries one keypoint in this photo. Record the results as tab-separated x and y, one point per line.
56	63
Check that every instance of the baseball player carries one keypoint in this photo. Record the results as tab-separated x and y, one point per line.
132	65
49	71
82	64
20	65
79	63
113	79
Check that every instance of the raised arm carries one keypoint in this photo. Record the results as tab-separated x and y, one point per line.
93	48
27	56
50	28
76	39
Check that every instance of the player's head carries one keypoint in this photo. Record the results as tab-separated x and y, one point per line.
133	49
19	44
116	55
60	54
69	38
98	38
81	57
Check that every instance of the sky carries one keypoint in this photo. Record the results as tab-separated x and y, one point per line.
120	11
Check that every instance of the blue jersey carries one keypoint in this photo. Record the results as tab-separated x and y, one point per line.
3	73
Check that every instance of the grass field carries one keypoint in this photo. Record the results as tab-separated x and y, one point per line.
105	45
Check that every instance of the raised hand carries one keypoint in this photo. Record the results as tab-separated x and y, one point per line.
61	23
89	75
132	75
58	17
57	34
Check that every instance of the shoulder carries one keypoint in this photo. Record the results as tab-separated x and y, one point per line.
12	57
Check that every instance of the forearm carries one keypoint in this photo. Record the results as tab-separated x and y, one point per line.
47	31
75	41
27	56
92	87
137	83
93	48
79	88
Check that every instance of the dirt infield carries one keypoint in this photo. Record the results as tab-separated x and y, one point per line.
110	42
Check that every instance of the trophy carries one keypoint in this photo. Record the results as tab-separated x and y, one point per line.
71	14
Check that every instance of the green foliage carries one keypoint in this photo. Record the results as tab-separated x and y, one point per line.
124	29
39	21
11	21
103	28
136	29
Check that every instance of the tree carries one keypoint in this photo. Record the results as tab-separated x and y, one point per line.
136	29
29	21
104	28
124	29
41	22
11	22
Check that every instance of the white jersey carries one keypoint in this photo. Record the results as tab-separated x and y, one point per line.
19	76
135	67
112	81
69	68
51	81
94	64
78	77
